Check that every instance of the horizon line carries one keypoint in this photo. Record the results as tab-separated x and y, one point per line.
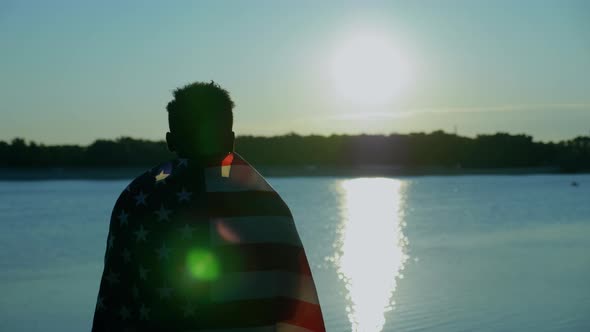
293	133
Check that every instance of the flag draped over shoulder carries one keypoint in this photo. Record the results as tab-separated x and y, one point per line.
205	247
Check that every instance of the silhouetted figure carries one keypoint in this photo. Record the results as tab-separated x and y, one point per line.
203	242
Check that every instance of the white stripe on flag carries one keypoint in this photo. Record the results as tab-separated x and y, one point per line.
241	178
263	284
260	229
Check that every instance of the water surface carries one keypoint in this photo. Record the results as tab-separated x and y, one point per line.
486	253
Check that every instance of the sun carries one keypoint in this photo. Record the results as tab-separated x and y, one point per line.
368	69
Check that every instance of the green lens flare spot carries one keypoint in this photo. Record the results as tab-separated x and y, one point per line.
202	265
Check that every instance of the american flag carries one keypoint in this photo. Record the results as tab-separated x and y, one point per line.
196	246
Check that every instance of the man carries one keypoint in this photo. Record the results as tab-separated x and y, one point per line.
203	242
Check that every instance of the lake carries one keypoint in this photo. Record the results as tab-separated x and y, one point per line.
430	253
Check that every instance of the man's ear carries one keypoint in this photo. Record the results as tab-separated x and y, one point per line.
170	142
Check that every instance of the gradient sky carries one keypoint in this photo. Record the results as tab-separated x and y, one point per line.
72	72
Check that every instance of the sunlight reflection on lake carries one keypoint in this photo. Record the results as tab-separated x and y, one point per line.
372	248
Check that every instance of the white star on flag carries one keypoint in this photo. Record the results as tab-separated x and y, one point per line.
112	277
123	218
135	291
187	231
165	292
144	312
140	235
163	213
111	241
100	303
189	310
126	255
163	252
140	198
124	312
143	272
184	195
161	178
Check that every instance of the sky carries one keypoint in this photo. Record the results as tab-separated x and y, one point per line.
75	71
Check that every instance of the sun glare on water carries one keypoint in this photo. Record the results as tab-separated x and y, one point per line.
368	68
372	248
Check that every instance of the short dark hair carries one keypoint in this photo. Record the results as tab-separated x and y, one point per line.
200	102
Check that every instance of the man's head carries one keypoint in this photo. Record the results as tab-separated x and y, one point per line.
200	118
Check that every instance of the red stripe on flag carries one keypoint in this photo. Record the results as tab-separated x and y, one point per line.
227	161
304	314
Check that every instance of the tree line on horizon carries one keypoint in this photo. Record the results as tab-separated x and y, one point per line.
436	149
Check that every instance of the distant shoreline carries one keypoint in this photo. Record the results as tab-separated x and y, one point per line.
436	153
23	174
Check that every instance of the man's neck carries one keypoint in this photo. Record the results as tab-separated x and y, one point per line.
207	159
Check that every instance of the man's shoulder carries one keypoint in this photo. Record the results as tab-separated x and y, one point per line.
232	174
144	179
147	181
235	174
165	182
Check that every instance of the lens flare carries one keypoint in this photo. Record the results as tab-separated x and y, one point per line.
226	232
202	265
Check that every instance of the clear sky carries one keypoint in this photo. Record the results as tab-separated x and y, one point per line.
72	72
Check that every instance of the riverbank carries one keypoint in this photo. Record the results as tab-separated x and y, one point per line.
365	170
